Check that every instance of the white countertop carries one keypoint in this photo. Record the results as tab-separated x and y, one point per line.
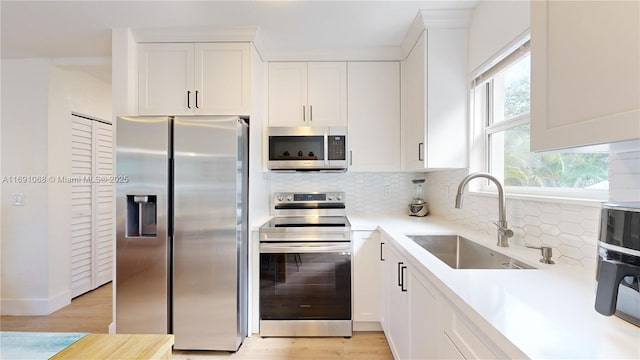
546	313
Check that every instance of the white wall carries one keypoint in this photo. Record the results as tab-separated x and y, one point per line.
38	99
24	229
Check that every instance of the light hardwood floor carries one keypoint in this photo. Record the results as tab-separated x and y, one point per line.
92	313
362	345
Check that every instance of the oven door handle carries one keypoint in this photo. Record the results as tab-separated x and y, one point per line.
320	247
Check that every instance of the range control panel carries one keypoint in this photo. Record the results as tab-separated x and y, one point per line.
305	198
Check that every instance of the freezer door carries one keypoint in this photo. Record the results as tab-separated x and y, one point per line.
142	265
206	232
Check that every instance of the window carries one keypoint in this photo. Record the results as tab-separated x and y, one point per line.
501	101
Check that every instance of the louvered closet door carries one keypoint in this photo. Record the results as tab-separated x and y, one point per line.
91	205
103	203
81	205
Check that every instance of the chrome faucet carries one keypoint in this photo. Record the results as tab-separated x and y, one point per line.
504	233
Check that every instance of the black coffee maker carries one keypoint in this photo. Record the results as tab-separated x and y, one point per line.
618	272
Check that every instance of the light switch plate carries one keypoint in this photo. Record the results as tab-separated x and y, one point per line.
18	200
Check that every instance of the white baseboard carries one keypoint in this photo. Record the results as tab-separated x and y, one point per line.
366	326
35	306
59	301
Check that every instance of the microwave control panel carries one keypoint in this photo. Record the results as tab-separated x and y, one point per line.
337	147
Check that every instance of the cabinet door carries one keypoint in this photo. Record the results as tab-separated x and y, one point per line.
584	74
427	333
385	283
434	101
366	272
327	96
374	116
468	339
447	94
165	79
399	321
287	94
414	99
222	78
451	351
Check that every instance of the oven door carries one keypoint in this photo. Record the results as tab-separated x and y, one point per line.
305	289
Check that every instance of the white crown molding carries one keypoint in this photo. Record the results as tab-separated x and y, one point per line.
393	53
435	19
196	34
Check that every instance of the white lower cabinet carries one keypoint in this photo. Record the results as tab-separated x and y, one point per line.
413	322
450	350
420	322
366	286
468	338
427	340
398	304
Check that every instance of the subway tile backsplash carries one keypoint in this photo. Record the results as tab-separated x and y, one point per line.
572	230
377	193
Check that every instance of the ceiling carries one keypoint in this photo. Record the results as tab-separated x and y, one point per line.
82	29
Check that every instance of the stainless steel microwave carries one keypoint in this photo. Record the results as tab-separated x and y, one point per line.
306	148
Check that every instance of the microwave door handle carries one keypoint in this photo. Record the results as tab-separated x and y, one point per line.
326	148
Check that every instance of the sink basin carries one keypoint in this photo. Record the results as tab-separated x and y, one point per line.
461	253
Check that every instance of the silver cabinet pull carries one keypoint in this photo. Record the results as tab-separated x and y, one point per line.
304	113
310	113
188	99
420	146
197	107
350	157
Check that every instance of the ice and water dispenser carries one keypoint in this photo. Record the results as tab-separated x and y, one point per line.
142	216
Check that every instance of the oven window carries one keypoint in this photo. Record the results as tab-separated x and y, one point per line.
305	286
296	148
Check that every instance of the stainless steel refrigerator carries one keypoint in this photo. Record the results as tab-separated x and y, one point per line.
181	253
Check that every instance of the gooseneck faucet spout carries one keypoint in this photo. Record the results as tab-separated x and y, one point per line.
504	233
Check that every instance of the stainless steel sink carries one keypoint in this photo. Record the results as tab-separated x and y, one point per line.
461	253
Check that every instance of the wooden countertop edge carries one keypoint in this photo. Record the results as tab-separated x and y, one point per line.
118	346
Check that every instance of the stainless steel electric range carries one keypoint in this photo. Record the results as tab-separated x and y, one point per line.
305	267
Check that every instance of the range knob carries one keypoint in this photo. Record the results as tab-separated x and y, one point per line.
330	197
289	197
280	197
339	197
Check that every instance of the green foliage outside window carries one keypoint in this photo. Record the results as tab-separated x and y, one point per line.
557	169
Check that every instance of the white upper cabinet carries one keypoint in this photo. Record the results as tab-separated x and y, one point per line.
585	86
287	94
307	94
374	115
190	79
434	101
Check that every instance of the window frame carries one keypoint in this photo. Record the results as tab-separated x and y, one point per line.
482	106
